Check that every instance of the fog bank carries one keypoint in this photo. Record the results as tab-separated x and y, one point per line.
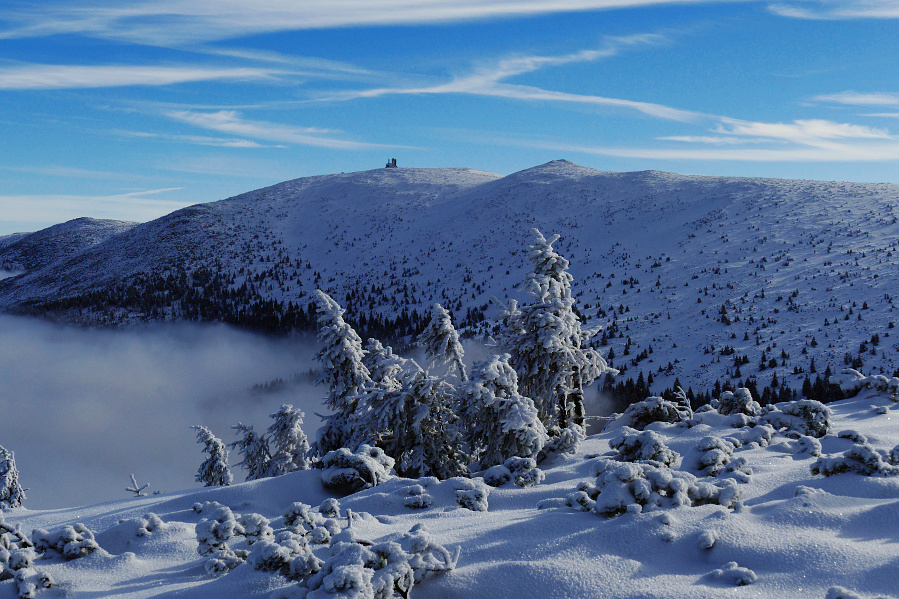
83	409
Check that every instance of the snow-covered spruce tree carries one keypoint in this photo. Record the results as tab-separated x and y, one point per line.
288	443
546	341
254	450
441	342
500	423
11	492
343	371
214	471
383	365
416	425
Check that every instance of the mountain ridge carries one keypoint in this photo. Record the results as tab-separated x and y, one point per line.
683	271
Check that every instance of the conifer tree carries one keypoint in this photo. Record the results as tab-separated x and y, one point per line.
214	471
546	342
11	492
288	443
441	342
416	425
500	423
254	450
343	371
383	365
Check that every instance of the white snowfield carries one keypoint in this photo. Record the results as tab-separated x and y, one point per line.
790	534
688	267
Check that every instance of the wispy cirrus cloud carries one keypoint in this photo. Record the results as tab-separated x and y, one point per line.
54	208
201	140
48	76
837	9
812	140
490	81
173	22
231	122
853	98
810	131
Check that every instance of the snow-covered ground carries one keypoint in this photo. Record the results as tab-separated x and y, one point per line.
792	534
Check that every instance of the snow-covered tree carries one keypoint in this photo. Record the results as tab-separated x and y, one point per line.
546	341
214	471
253	448
416	425
441	342
288	443
11	492
383	365
343	370
500	422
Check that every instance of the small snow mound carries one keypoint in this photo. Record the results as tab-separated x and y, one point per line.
733	573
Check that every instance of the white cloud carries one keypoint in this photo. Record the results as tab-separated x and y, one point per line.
229	121
51	209
853	98
488	81
47	76
800	131
168	22
838	9
884	152
201	140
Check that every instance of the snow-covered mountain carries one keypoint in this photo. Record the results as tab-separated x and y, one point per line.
689	274
34	251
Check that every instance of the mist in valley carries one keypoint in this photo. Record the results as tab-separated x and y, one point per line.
83	409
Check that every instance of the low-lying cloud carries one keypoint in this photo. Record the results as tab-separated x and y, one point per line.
84	409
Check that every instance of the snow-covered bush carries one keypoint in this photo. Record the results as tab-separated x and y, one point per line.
523	471
214	471
11	492
499	421
471	493
802	417
852	381
146	525
368	467
299	515
809	445
256	528
68	541
716	454
415	497
635	446
214	532
734	574
640	414
736	402
364	570
860	458
624	486
330	508
28	580
853	435
562	440
841	593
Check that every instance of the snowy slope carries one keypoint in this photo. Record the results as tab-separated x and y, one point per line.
34	251
794	534
802	270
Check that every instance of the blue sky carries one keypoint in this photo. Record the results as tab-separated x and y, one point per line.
132	111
